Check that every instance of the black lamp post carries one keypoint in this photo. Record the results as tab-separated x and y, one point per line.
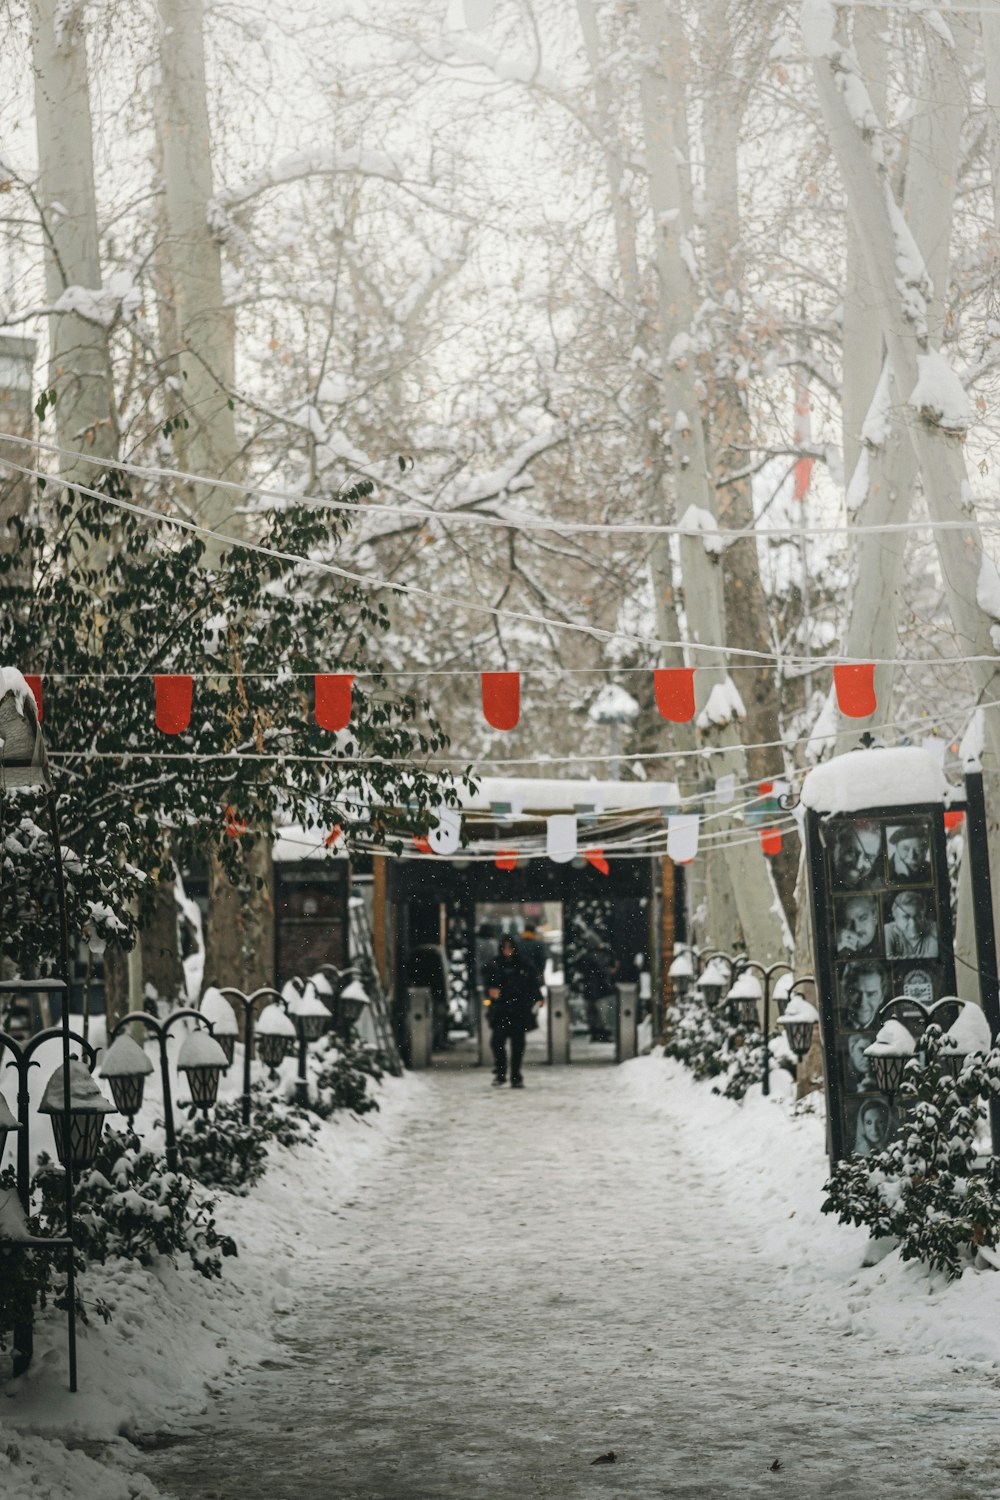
21	1057
76	1146
798	1023
743	998
271	1053
24	763
204	1062
8	1123
275	1031
161	1031
126	1066
767	976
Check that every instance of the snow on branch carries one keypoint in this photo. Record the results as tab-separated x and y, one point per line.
724	705
462	49
940	398
323	161
697	521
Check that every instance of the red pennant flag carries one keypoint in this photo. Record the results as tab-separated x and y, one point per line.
234	824
674	689
803	436
506	859
333	699
766	788
173	703
35	684
770	840
596	858
333	835
953	820
501	698
855	687
422	843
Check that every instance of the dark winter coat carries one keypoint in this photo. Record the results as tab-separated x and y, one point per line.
514	1007
597	974
532	950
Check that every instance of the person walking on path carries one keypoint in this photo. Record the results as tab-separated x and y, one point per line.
511	992
597	977
531	947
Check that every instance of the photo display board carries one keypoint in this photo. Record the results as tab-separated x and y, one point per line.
882	931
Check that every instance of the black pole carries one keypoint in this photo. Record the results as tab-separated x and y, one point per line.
982	916
248	1030
64	965
302	1081
765	1083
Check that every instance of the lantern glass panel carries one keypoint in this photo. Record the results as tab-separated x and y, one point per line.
127	1091
271	1049
84	1137
204	1086
313	1027
799	1035
228	1045
746	1011
888	1071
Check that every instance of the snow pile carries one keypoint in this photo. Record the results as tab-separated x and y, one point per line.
893	1040
697	521
970	1033
939	395
175	1336
874	778
723	706
769	1166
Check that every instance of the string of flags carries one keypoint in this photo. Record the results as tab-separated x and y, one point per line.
673	690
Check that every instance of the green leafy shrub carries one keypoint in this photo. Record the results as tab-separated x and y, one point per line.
342	1073
698	1035
922	1188
223	1152
129	1204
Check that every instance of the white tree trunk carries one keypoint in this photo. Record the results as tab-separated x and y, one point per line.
204	325
692	483
79	358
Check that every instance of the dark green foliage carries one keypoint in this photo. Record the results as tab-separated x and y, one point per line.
698	1035
221	1151
921	1188
341	1076
92	592
25	1277
744	1063
128	1204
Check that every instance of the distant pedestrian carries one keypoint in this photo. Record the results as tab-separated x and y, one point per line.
598	969
511	992
532	949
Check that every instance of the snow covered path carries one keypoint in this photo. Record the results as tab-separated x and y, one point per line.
528	1280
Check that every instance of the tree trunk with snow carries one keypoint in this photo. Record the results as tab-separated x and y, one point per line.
79	355
192	258
720	708
936	411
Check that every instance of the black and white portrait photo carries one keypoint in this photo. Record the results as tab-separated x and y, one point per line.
856	922
872	1126
856	860
858	1075
910	924
864	989
908	853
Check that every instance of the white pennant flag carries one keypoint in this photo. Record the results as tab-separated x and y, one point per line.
560	838
725	788
682	837
447	836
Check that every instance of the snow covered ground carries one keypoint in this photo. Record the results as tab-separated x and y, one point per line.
175	1339
479	1292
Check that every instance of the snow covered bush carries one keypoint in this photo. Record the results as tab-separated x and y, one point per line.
25	1277
223	1152
343	1072
698	1035
922	1188
128	1204
744	1061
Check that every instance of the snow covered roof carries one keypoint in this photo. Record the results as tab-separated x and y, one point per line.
274	1022
199	1049
862	779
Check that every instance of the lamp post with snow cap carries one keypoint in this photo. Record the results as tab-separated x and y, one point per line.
889	1053
798	1023
311	1018
269	1050
275	1030
712	981
126	1066
161	1030
968	1034
748	967
681	973
24	763
215	1007
76	1146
